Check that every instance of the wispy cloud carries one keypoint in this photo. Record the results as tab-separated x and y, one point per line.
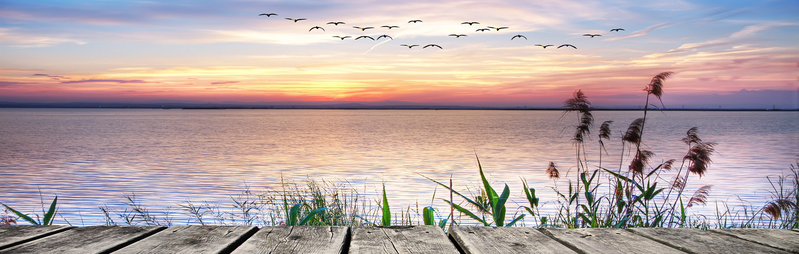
54	77
224	82
19	39
117	81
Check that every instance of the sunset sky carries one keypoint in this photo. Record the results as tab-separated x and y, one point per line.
725	53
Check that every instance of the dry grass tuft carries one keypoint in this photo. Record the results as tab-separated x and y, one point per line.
699	157
655	86
552	170
640	161
633	134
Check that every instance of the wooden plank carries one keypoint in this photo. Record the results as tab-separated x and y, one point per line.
192	239
489	240
98	239
607	240
405	239
699	241
11	235
296	240
778	238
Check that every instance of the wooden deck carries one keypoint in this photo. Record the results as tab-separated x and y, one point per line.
415	239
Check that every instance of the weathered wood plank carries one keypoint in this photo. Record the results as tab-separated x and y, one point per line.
192	239
490	240
782	239
98	239
607	240
699	241
295	240
406	239
11	235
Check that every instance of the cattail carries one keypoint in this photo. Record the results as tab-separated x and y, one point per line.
700	196
553	171
699	157
655	86
691	136
633	134
640	161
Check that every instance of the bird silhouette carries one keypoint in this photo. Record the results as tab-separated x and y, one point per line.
335	23
316	27
267	14
544	46
567	45
457	35
432	45
414	21
498	28
470	23
295	20
365	37
384	36
482	30
389	27
342	38
409	46
363	28
518	36
616	29
592	35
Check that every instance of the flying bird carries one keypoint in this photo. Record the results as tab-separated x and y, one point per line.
363	28
592	35
316	27
389	27
482	30
335	23
409	46
432	45
470	23
342	38
414	21
384	36
567	45
295	20
267	14
544	46
616	29
518	36
457	35
365	37
498	28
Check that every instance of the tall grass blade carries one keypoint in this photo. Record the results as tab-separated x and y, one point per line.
467	212
386	211
428	215
499	207
23	216
490	191
310	215
48	217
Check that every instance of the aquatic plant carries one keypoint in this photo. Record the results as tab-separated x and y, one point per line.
47	217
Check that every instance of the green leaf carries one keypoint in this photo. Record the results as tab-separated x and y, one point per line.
428	215
492	195
310	215
48	217
470	201
468	213
513	222
499	207
19	214
386	210
293	214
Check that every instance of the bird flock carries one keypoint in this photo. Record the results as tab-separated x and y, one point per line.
414	21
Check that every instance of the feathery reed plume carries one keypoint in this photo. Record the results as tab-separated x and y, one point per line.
691	136
604	130
700	196
667	165
699	157
775	207
633	134
640	161
678	183
553	171
578	103
655	86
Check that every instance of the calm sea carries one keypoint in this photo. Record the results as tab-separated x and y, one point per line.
92	157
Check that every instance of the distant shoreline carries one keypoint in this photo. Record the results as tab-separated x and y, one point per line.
378	108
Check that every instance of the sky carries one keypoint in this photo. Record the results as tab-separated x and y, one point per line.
724	53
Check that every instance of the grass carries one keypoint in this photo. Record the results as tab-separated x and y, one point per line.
638	196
